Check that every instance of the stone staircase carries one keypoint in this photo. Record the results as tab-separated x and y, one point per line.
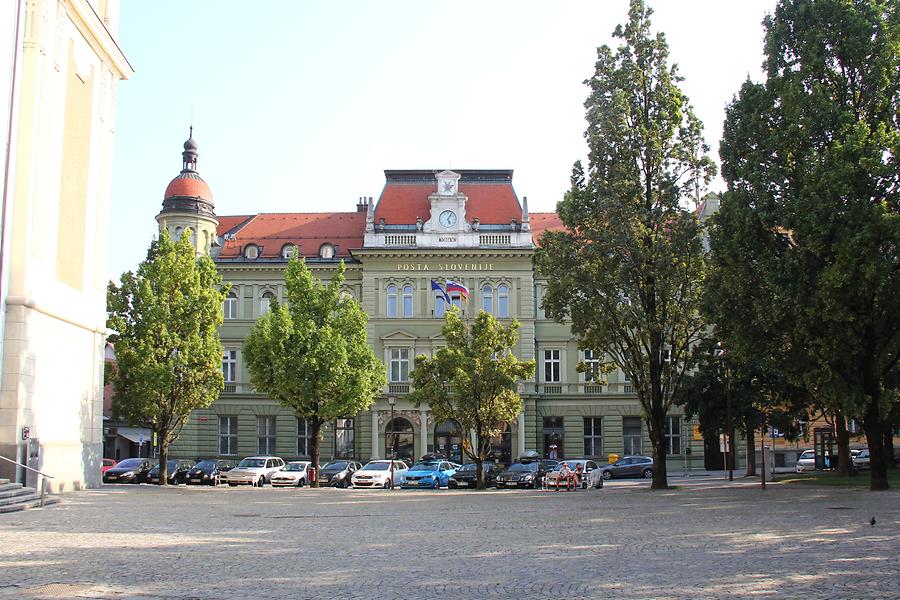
14	497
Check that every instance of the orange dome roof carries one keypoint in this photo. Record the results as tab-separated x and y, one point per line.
189	184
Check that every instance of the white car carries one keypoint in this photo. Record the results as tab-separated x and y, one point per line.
294	474
253	470
861	459
806	461
377	474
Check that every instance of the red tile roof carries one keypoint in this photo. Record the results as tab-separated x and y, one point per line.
494	203
541	222
189	184
229	222
272	231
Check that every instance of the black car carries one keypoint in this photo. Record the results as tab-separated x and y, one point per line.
206	472
466	476
526	473
176	472
130	470
337	473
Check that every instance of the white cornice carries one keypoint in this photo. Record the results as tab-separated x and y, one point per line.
95	33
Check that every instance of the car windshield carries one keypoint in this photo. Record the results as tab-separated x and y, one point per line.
469	467
339	465
379	466
523	467
425	466
807	454
130	463
253	462
206	465
295	467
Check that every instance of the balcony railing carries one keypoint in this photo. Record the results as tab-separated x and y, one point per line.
398	388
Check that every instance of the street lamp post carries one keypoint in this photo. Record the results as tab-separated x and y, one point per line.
762	437
729	434
392	400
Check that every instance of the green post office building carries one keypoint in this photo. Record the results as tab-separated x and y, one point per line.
468	226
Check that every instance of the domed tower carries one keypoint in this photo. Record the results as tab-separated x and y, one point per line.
188	202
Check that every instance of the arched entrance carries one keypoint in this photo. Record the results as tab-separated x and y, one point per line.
501	446
448	442
399	440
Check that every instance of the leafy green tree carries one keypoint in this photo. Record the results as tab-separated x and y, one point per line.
312	354
806	240
168	354
629	268
473	381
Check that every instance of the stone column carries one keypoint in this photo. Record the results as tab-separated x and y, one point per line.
375	450
520	439
423	430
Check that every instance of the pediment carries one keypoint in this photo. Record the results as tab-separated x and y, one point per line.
399	335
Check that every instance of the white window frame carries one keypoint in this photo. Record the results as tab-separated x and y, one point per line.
406	300
228	434
392	301
266	429
230	306
303	436
550	359
673	440
591	358
595	437
287	251
229	365
503	300
344	425
398	362
487	298
327	251
265	302
631	437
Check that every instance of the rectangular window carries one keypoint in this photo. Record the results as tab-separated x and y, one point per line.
229	365
592	361
551	366
302	437
593	438
554	435
631	435
228	435
343	438
456	300
229	307
673	435
265	434
399	368
439	307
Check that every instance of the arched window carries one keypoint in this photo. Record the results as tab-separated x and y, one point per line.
229	307
177	235
502	301
287	251
392	300
487	299
265	301
251	251
399	440
448	441
407	301
326	251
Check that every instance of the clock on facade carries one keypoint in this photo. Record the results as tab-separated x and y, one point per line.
447	218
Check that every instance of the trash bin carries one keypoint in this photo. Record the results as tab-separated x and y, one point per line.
312	475
613	458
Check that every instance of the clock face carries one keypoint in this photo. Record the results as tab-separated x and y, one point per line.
447	218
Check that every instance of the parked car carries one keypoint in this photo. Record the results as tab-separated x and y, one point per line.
629	466
208	472
806	461
294	474
338	473
861	460
253	470
433	474
176	472
466	476
591	476
106	464
377	474
526	472
130	470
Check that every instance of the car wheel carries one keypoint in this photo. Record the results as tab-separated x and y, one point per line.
437	484
301	483
388	484
607	475
232	485
261	481
647	474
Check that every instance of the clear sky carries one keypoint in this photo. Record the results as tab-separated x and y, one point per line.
301	106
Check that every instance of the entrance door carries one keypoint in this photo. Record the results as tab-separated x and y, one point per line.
447	441
399	441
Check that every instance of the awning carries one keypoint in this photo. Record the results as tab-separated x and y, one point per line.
135	434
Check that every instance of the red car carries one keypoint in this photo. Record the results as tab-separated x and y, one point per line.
107	464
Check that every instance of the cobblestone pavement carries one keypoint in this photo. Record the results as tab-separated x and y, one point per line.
708	541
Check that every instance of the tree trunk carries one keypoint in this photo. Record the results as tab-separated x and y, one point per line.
480	454
163	437
875	438
889	447
751	450
657	426
844	466
316	433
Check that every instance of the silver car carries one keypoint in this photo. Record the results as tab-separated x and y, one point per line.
253	470
295	474
629	466
590	477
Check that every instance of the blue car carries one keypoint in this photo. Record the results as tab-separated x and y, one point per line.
432	474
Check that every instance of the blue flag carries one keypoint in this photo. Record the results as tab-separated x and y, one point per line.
436	286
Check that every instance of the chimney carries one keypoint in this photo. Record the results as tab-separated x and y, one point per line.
362	205
525	224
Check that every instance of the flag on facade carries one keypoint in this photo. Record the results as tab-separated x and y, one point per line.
436	286
463	291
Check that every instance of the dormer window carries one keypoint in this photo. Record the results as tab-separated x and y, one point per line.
287	252
251	251
326	251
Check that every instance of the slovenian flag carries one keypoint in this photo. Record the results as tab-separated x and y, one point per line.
436	286
452	286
